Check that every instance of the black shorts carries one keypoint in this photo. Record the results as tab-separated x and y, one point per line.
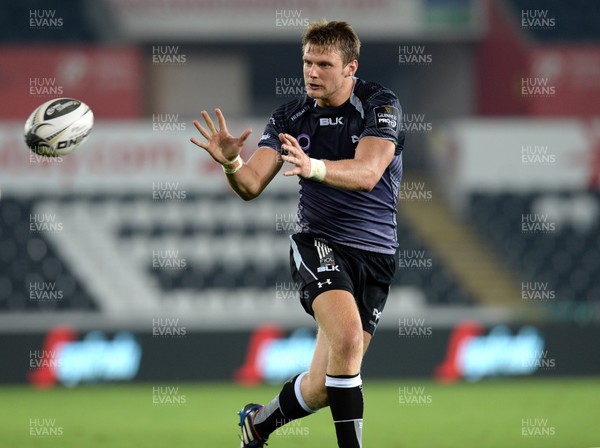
319	265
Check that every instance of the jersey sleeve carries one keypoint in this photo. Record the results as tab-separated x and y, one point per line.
383	119
275	126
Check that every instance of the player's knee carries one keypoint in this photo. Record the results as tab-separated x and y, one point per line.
348	343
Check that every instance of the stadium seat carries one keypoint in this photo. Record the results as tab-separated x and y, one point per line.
564	260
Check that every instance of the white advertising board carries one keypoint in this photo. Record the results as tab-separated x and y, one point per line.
517	155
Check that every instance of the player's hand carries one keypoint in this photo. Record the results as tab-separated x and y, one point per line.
220	144
295	155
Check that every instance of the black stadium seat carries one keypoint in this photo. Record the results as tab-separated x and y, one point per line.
566	259
29	263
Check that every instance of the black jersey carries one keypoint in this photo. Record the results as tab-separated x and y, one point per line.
359	219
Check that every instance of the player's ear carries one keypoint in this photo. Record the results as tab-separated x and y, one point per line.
351	68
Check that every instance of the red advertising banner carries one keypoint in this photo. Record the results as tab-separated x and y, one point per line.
518	77
107	79
563	81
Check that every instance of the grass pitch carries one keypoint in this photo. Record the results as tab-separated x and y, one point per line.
400	413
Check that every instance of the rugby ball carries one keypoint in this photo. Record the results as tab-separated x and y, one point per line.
58	127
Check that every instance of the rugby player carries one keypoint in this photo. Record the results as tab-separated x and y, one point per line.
344	142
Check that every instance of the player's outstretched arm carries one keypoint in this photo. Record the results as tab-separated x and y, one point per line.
248	179
372	157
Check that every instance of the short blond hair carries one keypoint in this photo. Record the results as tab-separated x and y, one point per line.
333	35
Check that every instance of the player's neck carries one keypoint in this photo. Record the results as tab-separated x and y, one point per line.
341	96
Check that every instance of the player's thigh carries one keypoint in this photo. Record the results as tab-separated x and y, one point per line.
338	317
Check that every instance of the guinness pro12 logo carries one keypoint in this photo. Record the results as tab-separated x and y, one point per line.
387	117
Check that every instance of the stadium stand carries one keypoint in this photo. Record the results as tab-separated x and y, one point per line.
28	259
226	247
562	255
221	245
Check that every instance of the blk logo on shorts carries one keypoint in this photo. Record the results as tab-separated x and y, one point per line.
326	258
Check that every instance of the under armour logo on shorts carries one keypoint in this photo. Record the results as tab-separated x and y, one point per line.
326	282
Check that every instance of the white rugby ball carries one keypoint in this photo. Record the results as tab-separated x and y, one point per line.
58	127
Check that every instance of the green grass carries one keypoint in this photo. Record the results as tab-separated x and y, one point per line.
487	414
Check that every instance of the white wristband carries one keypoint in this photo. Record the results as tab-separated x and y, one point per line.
233	166
317	170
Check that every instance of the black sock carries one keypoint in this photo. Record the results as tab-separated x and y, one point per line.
346	402
285	407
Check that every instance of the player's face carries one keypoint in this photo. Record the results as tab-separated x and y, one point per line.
326	78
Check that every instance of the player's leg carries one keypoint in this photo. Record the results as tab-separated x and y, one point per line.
309	391
338	317
313	387
258	422
303	395
340	346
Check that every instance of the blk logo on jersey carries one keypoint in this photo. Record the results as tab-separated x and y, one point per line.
330	121
387	117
